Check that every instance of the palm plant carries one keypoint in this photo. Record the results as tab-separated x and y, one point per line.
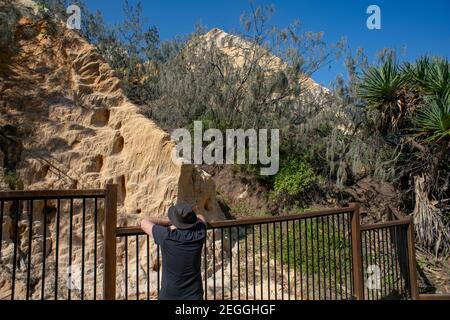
383	89
431	77
434	121
420	92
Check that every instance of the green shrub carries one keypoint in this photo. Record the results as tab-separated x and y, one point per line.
294	178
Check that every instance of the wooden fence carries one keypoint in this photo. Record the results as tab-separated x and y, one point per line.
310	256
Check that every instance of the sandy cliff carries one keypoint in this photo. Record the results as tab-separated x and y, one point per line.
64	105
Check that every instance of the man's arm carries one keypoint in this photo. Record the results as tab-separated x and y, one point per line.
148	223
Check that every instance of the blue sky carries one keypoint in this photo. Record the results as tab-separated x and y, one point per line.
414	27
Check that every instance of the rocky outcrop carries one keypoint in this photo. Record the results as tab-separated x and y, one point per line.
77	128
240	52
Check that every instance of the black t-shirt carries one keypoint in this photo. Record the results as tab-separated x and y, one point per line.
181	258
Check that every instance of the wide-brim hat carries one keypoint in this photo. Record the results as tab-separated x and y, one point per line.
182	216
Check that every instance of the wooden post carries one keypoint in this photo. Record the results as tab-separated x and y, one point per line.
358	282
109	246
412	261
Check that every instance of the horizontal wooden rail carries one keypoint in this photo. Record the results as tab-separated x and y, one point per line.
51	194
129	231
133	231
387	224
263	220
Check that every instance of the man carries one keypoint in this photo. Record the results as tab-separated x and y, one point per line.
181	240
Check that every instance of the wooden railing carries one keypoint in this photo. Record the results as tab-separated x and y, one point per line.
258	258
390	247
397	216
42	226
263	258
314	255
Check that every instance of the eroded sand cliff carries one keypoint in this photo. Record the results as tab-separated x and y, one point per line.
76	127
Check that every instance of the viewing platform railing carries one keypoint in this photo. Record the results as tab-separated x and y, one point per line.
65	244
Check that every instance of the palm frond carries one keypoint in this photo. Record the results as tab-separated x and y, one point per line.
432	77
382	86
434	120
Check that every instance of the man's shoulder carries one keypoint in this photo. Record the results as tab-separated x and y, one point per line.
197	232
200	230
159	228
200	226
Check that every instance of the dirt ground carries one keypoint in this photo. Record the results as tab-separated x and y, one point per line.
433	273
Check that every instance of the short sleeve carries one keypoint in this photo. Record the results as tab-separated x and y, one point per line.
159	233
201	224
201	231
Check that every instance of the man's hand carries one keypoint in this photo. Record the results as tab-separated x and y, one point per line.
147	226
201	217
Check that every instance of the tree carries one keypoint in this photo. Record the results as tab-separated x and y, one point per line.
413	103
